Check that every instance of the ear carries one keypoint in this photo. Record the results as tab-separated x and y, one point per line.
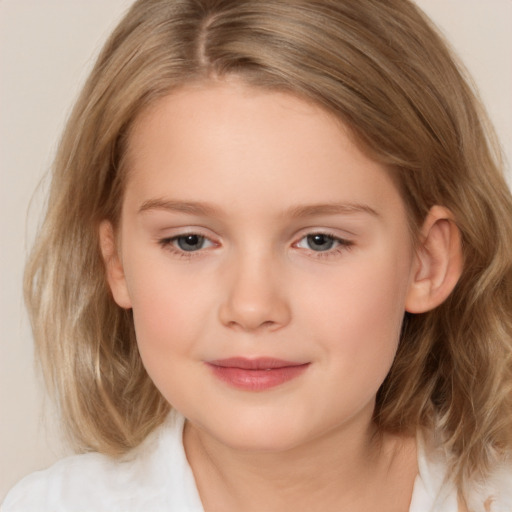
438	263
113	265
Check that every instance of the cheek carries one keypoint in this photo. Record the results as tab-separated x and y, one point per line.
169	309
360	316
167	326
167	317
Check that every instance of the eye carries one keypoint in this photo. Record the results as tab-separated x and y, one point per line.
189	242
317	242
321	242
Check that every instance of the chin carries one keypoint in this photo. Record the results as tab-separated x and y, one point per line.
260	435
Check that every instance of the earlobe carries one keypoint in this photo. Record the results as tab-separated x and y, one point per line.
438	264
113	265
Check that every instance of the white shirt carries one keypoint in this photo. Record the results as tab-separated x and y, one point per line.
156	478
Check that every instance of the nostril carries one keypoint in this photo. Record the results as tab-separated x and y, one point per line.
254	319
254	300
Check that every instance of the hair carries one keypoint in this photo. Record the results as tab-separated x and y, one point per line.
382	69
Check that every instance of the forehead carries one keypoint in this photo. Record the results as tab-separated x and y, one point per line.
229	141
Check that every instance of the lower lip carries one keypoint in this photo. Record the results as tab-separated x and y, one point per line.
257	380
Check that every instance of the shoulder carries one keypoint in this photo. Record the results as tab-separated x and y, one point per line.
81	478
434	492
153	477
495	492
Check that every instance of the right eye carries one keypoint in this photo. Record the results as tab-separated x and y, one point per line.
189	242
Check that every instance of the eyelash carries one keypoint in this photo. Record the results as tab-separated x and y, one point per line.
169	245
341	246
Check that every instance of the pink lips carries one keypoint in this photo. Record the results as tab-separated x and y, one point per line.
256	374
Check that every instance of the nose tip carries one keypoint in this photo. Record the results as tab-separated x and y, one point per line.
250	319
255	301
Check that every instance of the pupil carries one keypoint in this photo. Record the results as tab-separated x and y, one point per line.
190	242
320	242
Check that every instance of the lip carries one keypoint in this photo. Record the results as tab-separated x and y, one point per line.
256	374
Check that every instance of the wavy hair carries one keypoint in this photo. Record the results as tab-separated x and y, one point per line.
381	68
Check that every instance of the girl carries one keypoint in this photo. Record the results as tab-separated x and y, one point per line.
275	269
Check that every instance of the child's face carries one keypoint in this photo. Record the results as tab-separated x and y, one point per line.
252	227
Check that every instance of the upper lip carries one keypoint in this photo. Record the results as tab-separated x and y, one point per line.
260	363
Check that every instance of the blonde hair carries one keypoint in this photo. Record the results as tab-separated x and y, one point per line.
385	72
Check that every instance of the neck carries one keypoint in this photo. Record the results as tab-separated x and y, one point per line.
348	468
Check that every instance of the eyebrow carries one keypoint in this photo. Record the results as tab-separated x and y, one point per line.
192	208
301	211
331	209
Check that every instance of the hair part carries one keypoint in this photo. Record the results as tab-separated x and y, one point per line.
382	69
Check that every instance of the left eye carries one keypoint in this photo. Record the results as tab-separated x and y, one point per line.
191	242
319	242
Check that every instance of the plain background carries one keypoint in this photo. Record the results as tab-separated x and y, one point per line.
46	50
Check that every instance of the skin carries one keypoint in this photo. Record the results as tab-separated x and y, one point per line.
254	173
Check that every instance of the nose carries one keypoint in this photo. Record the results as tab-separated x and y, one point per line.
256	297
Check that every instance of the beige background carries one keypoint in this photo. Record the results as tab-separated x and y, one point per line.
46	49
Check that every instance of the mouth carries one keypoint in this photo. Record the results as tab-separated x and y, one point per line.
256	374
